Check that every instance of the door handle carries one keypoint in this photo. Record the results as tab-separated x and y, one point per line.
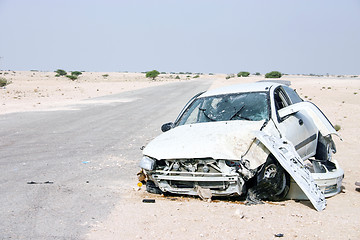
301	122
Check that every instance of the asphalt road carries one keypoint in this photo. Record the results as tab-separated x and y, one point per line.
62	171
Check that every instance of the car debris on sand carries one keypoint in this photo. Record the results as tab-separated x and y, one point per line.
258	140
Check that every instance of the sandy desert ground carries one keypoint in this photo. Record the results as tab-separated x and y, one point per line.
190	218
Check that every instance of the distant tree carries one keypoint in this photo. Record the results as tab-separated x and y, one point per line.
257	74
273	74
61	72
152	74
3	82
76	73
72	77
243	74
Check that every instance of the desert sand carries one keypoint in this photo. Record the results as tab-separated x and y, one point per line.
191	218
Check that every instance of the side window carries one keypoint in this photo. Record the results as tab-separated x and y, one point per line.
294	97
281	99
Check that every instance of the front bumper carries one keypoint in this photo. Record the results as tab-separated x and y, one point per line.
220	184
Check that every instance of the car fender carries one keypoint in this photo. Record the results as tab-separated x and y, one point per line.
285	153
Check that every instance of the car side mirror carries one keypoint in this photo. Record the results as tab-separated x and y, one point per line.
166	127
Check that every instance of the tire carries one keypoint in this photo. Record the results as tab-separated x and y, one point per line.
273	182
152	188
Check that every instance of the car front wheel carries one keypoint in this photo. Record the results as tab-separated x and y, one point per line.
273	182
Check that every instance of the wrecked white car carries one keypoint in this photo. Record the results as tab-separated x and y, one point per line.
258	140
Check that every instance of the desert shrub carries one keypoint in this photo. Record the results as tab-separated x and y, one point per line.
72	77
76	73
163	72
177	77
337	127
257	74
196	76
152	74
243	74
105	75
61	72
211	74
57	75
229	76
273	74
3	82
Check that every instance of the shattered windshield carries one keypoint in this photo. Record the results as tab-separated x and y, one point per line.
251	106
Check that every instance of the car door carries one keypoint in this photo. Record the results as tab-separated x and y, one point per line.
312	130
295	127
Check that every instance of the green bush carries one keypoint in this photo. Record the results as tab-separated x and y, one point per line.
152	74
105	75
196	76
72	77
177	77
243	74
3	82
61	72
76	73
257	74
273	74
337	127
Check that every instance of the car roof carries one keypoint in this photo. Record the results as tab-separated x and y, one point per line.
262	86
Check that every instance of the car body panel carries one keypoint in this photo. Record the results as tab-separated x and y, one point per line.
217	140
290	160
329	183
321	122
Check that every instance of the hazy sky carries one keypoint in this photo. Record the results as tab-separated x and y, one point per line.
291	36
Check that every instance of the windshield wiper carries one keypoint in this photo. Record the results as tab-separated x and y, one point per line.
239	112
203	110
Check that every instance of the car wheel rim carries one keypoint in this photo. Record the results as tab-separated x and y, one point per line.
270	171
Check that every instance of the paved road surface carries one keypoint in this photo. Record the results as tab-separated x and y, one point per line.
78	159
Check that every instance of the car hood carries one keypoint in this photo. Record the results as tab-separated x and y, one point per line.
218	140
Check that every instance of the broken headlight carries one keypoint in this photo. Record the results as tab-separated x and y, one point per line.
147	163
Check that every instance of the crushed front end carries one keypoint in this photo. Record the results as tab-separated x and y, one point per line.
186	176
